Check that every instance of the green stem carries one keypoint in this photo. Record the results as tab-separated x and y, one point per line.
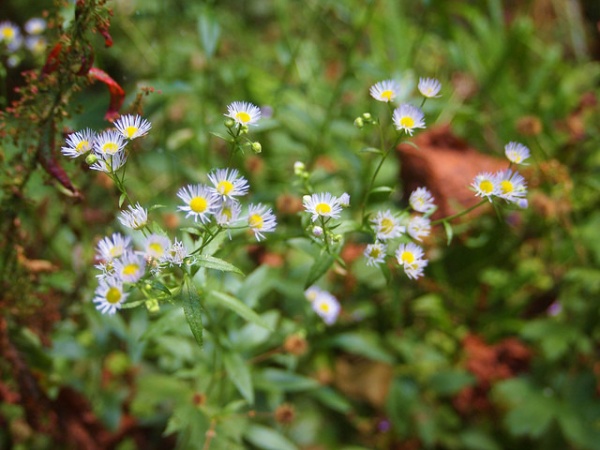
459	214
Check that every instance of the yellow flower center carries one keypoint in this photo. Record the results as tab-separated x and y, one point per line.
224	187
8	33
157	248
110	148
375	252
130	131
227	213
407	257
82	147
486	186
256	221
387	225
113	295
514	157
407	122
130	269
387	95
198	204
115	251
243	117
324	307
323	209
507	187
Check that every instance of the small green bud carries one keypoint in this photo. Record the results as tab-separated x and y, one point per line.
359	123
244	129
367	117
229	123
256	147
299	168
91	159
337	237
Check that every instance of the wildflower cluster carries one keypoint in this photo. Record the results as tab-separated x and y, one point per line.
13	40
506	184
240	116
323	303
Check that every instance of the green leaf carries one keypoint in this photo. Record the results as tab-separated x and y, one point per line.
321	265
192	307
380	189
157	285
222	136
333	399
267	438
371	150
365	344
239	373
449	231
450	381
157	206
210	262
282	380
238	307
256	284
209	31
122	198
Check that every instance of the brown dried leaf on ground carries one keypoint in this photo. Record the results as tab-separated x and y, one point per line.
446	165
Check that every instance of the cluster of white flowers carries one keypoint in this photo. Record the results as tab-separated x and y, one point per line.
219	200
12	38
323	303
121	265
388	226
108	148
505	184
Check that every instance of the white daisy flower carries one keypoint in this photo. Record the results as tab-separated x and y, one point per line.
200	202
132	127
312	292
516	152
36	44
322	205
375	253
112	247
109	142
35	25
344	200
418	227
429	87
410	257
156	246
327	307
228	183
261	220
109	163
421	200
243	113
176	254
229	212
79	143
407	117
109	295
486	185
10	35
385	91
130	267
135	217
387	226
512	186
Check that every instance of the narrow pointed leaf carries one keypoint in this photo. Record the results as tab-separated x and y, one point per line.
321	265
210	262
191	300
449	231
238	307
239	373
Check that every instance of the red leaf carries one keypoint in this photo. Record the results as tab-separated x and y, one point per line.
52	60
117	94
108	40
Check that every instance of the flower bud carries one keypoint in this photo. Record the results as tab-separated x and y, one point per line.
299	168
367	117
256	147
317	231
229	123
358	122
91	159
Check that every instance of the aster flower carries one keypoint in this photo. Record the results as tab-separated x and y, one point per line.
322	205
421	200
228	212
261	220
135	217
415	270
407	117
344	200
176	254
418	227
327	307
512	186
410	257
35	25
130	267
79	143
113	247
486	185
156	246
10	35
516	152
387	226
132	127
385	91
312	292
243	113
109	163
200	202
228	183
109	295
429	87
36	44
109	142
375	253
